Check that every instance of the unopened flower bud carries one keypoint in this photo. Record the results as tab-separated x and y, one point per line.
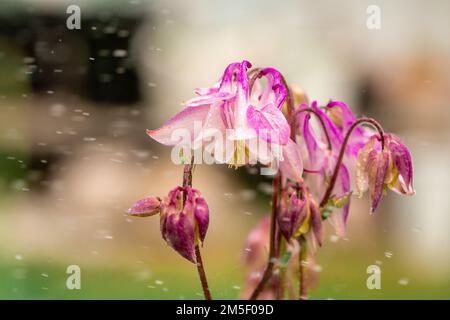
183	225
378	169
146	207
291	215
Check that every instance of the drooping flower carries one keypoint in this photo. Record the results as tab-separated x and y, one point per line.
299	215
184	218
381	168
184	226
311	228
321	163
291	214
247	119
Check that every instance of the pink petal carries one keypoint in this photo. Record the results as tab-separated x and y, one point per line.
179	234
183	120
403	162
270	124
378	167
209	99
275	91
292	165
201	215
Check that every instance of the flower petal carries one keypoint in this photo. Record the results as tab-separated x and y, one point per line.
378	164
270	124
183	122
209	99
275	92
362	183
402	160
292	165
179	234
201	215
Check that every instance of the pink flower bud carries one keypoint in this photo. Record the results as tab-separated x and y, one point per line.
379	169
184	225
146	207
291	215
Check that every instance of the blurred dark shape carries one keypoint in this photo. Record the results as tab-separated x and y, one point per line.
92	62
366	95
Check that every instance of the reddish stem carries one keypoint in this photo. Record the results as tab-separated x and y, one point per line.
302	289
322	123
187	182
272	245
370	121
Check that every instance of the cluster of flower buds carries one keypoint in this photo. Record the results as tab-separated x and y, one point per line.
184	218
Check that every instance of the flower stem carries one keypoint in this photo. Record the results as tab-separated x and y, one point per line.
282	276
370	121
302	290
272	246
187	182
202	274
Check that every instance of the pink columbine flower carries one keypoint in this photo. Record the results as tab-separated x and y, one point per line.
379	169
184	226
245	118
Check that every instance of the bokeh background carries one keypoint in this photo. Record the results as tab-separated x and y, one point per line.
74	106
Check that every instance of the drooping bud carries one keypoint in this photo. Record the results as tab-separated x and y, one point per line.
146	207
311	226
291	214
183	225
378	169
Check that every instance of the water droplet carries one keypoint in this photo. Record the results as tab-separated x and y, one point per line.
120	53
403	281
57	110
334	238
388	254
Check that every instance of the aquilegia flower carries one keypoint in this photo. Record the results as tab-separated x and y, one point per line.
299	215
381	168
184	226
184	218
245	127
